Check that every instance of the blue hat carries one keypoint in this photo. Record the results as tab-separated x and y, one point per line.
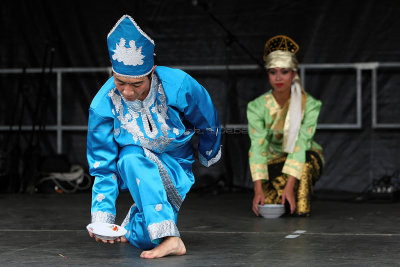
131	49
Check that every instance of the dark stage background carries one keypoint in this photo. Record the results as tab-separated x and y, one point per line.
70	34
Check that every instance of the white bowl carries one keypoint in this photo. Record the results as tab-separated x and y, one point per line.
271	211
106	231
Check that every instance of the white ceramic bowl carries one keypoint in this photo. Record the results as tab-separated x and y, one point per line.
271	211
106	231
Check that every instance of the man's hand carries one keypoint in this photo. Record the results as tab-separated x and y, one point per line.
117	240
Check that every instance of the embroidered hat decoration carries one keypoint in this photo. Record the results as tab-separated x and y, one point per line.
131	50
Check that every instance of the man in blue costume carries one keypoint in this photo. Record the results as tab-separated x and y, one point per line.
141	123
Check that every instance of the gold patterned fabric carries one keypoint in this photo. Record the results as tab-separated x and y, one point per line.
273	188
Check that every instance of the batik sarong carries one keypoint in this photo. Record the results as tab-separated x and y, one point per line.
273	188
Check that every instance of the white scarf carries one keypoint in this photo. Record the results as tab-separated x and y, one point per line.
293	117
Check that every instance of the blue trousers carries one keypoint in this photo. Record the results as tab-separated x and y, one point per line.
158	184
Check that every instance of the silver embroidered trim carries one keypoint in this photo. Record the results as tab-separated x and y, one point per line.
158	144
162	229
132	76
129	56
143	110
128	216
210	162
129	120
172	194
103	216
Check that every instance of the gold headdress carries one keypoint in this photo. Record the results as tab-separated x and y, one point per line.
280	42
279	52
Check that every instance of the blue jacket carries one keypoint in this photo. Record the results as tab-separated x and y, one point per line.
176	107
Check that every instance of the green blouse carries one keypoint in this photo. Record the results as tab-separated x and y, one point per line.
266	119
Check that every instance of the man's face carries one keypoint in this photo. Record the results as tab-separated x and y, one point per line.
133	88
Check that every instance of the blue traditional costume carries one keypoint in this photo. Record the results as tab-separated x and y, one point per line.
145	146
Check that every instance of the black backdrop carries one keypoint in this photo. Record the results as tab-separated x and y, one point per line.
73	34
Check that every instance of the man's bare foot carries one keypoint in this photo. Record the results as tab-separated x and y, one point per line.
172	245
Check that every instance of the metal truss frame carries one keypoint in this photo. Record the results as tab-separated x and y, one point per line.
228	128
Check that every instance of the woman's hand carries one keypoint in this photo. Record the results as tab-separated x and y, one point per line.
259	196
288	193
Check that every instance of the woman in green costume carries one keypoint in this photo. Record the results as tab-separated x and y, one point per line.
285	161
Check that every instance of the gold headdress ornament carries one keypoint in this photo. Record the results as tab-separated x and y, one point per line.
279	52
280	42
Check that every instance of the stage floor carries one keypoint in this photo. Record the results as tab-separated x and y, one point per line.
218	230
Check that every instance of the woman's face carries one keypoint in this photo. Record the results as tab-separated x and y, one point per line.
281	78
133	88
